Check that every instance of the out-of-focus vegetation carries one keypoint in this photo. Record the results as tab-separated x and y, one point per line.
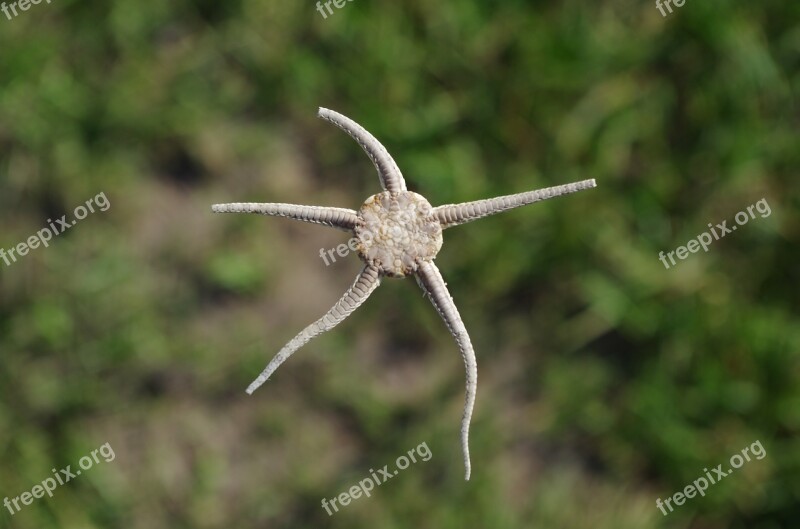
605	380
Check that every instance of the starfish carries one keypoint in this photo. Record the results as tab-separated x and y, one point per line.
399	234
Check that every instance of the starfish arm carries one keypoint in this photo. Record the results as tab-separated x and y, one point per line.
391	178
367	281
455	214
432	283
341	218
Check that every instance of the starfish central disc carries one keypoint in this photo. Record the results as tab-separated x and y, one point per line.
397	231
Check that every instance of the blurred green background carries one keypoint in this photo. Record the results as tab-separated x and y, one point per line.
605	380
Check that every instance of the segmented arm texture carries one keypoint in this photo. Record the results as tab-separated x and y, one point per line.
455	214
367	281
341	218
431	281
391	178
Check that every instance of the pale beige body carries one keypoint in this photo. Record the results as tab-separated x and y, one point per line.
399	234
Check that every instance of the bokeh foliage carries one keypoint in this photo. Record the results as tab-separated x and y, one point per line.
606	381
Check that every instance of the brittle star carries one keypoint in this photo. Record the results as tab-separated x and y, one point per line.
399	234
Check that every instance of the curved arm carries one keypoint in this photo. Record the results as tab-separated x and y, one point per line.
391	178
367	281
341	218
455	214
432	283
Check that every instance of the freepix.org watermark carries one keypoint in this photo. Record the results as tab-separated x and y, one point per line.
65	475
701	484
704	239
45	235
366	485
660	6
342	250
323	6
23	5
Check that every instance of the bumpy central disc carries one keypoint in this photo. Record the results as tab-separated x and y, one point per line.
397	231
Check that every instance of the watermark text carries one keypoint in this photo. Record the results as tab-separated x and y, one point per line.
721	230
65	475
366	485
701	484
45	235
